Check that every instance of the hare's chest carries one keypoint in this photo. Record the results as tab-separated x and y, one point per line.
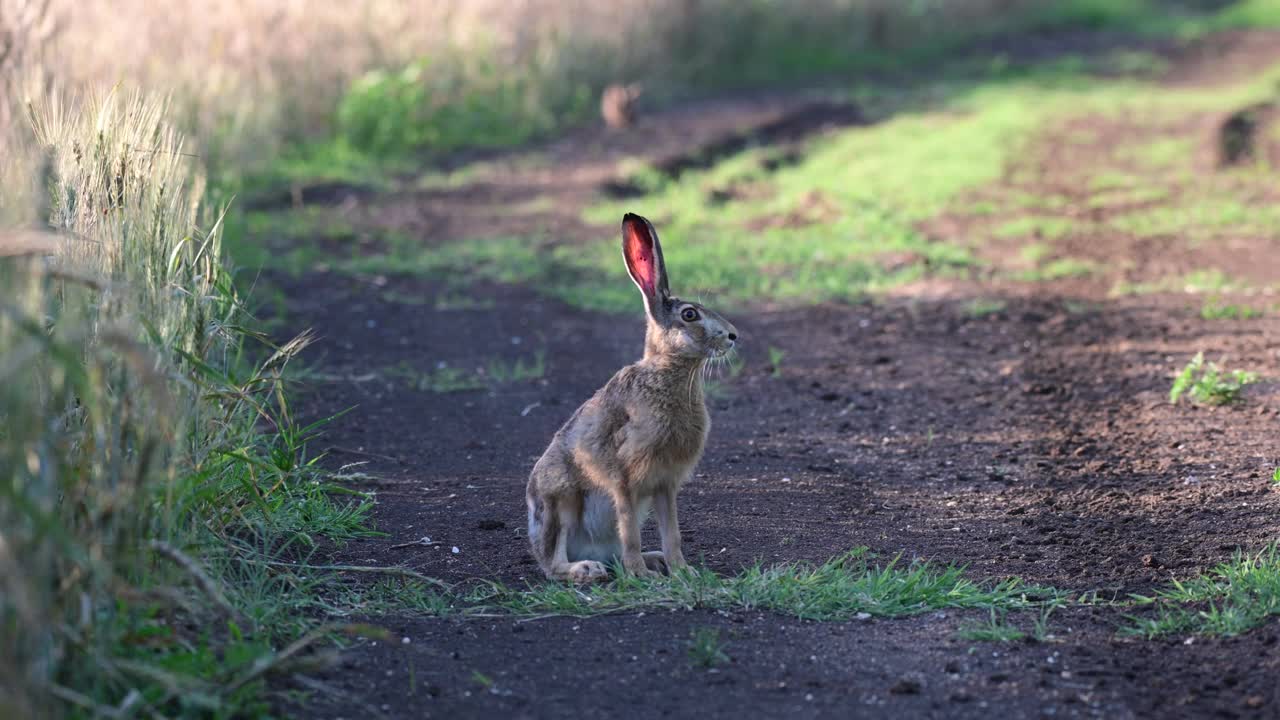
669	444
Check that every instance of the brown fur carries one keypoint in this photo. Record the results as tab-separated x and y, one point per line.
618	105
634	443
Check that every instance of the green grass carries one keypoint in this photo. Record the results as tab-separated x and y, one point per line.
1236	596
1058	269
444	378
706	649
154	478
519	370
1163	154
881	180
1208	214
843	220
1211	280
997	628
1216	309
984	307
388	113
1208	384
776	356
1048	228
842	588
1247	14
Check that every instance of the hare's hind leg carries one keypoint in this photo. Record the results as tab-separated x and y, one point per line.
569	512
551	522
656	561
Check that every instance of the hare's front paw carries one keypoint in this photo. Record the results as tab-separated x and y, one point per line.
587	571
676	561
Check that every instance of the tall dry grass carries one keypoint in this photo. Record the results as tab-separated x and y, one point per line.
249	75
148	474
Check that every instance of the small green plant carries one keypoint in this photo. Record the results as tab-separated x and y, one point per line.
458	301
1215	309
982	307
1234	597
775	360
1040	631
1059	269
1208	384
445	378
1275	476
452	101
500	371
706	649
442	378
997	628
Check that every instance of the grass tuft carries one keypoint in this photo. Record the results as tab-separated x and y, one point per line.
1208	384
997	628
1234	597
152	477
706	649
840	589
1216	309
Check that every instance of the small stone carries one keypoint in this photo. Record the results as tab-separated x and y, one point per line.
906	686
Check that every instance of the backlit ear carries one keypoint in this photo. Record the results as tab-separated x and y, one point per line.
643	255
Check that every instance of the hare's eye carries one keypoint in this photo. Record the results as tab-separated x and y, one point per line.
689	315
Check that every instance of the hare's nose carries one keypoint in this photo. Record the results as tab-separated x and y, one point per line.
733	336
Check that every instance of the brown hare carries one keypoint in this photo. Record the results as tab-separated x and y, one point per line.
618	105
635	442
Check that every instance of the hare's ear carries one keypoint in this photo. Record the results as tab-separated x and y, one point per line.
643	253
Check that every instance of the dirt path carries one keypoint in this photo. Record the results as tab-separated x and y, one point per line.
1033	440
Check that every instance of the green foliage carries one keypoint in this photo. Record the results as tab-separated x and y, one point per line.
1216	309
983	307
449	103
839	589
518	370
1209	384
444	378
1248	14
1049	228
996	629
775	360
1232	598
706	649
1059	269
1210	212
150	475
1197	281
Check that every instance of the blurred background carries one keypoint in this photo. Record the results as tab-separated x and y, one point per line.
251	78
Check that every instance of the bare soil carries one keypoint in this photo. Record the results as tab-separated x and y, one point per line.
1035	441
